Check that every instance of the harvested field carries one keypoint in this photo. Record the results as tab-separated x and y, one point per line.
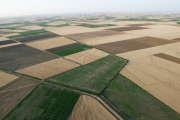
92	77
10	34
87	108
63	47
96	25
8	45
36	37
3	38
168	57
133	44
48	69
136	103
178	39
109	39
5	78
50	43
33	27
72	50
139	25
24	62
6	42
16	52
42	103
82	36
71	30
87	56
122	29
150	74
12	93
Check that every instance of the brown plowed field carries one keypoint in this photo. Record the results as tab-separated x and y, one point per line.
6	42
87	108
133	44
122	29
168	57
12	93
36	37
16	52
82	36
24	62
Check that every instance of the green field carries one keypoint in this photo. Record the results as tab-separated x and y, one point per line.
45	102
92	18
139	19
178	22
72	50
46	25
92	77
109	18
136	103
30	33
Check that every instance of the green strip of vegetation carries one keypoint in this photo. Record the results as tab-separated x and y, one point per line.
135	103
29	33
45	102
72	50
91	78
175	20
178	22
92	18
140	19
109	18
95	26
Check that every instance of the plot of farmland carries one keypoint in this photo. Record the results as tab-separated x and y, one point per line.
87	56
50	43
89	108
92	77
133	44
45	102
95	26
48	69
122	29
24	62
5	78
82	36
16	52
6	42
136	103
56	49
168	57
33	35
12	93
71	50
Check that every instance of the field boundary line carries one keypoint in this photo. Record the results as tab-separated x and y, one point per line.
114	107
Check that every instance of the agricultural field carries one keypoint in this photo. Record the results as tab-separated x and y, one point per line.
135	103
13	92
42	107
92	77
108	66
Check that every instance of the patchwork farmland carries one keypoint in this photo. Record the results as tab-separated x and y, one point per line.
97	67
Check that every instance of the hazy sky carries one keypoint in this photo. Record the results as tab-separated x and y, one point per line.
35	7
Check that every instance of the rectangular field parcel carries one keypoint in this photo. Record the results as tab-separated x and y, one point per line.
45	102
135	103
92	77
11	94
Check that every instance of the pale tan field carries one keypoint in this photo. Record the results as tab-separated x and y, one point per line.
71	30
51	43
6	78
10	34
158	76
87	56
2	46
3	38
159	31
57	23
49	69
33	27
87	108
108	39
